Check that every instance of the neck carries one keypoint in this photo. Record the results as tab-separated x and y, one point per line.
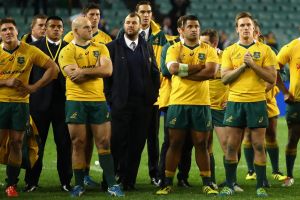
246	41
94	29
54	39
145	26
10	45
191	43
132	37
82	42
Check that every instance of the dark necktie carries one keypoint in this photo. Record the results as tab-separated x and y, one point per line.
143	34
133	45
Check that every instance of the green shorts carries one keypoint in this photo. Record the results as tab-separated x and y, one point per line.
14	116
293	113
244	114
87	112
197	118
217	118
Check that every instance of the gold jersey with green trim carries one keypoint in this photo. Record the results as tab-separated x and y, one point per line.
272	106
184	91
218	92
99	37
290	54
92	89
18	64
248	87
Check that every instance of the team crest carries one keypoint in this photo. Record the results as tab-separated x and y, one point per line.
96	53
201	56
21	60
256	55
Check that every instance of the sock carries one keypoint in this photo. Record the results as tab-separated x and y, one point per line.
249	156
230	172
260	170
79	176
205	175
87	171
273	152
169	177
107	164
12	173
212	167
290	160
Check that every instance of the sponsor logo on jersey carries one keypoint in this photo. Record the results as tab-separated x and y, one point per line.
256	55
96	54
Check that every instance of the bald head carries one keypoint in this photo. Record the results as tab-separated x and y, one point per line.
82	28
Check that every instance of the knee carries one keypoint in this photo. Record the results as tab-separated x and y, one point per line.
16	144
176	145
258	147
78	143
201	144
104	143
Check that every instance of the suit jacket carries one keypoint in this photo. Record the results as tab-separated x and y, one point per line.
116	87
54	92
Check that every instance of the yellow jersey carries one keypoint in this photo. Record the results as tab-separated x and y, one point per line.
248	87
98	37
92	89
184	91
18	64
218	92
290	54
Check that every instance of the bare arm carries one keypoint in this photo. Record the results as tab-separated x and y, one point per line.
288	97
268	73
13	82
230	75
174	68
208	72
103	68
50	74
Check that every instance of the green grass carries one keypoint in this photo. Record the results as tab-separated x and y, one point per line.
49	181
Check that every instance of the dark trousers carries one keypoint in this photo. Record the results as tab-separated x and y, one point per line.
153	142
184	165
129	133
56	116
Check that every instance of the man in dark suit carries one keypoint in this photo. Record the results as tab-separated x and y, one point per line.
130	91
48	106
38	29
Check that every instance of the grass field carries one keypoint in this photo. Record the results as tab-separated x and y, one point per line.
49	181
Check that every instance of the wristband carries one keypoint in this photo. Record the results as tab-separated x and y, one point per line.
183	70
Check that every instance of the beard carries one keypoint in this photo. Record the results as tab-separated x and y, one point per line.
132	35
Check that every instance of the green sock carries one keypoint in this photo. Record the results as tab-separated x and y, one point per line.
12	173
290	160
274	157
249	156
212	167
107	164
230	172
79	176
260	175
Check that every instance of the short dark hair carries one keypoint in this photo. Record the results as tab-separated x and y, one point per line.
212	33
142	3
54	18
180	21
243	15
134	14
89	7
189	17
8	20
36	17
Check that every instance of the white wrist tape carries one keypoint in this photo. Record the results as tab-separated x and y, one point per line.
183	70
